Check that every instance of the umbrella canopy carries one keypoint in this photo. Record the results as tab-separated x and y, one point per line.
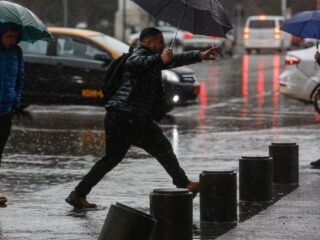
206	17
304	24
32	28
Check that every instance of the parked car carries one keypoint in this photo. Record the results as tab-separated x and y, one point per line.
187	41
263	32
301	78
71	69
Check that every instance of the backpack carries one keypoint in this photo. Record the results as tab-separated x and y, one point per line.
113	78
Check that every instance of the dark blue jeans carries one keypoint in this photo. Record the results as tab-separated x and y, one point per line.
5	128
123	130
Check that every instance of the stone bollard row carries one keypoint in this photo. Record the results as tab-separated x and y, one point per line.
172	209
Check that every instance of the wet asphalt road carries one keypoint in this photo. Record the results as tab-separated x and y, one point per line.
239	112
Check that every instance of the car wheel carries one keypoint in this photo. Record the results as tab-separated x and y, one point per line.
317	100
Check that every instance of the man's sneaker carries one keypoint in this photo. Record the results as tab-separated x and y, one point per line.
193	187
78	202
3	201
315	164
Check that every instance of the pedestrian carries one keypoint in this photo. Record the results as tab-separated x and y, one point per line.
11	80
316	164
131	112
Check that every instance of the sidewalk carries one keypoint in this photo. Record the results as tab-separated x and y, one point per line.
295	216
36	186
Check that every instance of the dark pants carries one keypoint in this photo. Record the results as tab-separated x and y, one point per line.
5	128
122	130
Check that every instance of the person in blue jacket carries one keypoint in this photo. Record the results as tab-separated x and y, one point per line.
11	80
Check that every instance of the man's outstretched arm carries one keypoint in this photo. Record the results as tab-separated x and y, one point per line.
190	57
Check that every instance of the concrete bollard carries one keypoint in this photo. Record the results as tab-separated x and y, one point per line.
218	197
172	208
126	223
285	163
255	174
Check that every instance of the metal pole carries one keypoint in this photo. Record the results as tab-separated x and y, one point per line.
124	19
65	13
284	7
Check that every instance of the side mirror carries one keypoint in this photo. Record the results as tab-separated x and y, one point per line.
103	57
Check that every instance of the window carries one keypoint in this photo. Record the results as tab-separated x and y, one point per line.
262	24
76	48
112	42
38	48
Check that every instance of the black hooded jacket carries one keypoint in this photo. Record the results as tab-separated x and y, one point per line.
142	93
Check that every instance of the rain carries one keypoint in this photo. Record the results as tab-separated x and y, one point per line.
219	110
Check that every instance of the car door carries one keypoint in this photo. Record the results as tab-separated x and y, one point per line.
81	75
38	71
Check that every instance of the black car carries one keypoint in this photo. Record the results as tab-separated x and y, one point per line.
71	69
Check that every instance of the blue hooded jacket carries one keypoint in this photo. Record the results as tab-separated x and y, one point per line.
11	78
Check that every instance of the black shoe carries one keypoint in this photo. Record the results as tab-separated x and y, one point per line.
315	164
3	201
78	202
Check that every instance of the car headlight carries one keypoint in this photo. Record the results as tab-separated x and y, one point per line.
170	76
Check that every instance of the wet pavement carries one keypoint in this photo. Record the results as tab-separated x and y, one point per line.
239	114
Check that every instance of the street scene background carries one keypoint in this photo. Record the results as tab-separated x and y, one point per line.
239	112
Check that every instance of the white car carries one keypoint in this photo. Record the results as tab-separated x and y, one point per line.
301	78
263	32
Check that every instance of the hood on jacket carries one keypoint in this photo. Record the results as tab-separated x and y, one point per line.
10	26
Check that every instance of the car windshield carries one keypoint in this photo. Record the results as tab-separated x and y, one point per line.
112	42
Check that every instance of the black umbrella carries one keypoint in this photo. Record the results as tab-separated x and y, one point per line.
203	17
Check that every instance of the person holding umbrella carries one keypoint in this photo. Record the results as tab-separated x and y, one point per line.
11	80
17	23
131	112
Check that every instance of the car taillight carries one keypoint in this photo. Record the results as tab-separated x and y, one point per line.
187	35
277	33
214	37
291	60
245	33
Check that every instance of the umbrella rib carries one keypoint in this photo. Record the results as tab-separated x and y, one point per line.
194	19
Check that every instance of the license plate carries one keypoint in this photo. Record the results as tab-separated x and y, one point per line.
91	93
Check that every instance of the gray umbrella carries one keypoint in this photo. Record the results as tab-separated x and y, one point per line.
203	17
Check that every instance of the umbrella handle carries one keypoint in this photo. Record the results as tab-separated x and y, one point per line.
180	20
